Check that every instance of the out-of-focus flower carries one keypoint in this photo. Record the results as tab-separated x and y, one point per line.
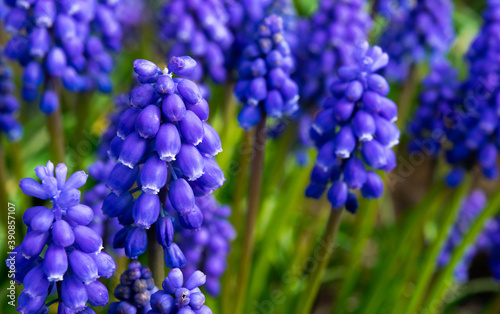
66	41
9	105
264	85
411	36
207	249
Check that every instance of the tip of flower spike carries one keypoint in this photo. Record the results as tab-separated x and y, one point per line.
181	66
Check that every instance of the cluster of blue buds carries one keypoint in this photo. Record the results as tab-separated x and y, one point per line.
178	296
474	136
207	249
355	128
199	29
472	206
414	35
73	253
9	106
435	113
134	290
329	39
264	86
62	40
165	146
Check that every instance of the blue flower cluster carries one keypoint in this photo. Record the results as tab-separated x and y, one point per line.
207	249
475	135
199	29
66	40
389	8
165	146
356	127
328	40
264	86
71	245
473	205
413	35
9	106
134	290
178	296
435	113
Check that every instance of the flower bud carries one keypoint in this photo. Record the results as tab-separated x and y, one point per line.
210	144
62	234
55	263
354	173
134	148
165	85
195	280
69	198
43	220
213	178
181	66
73	293
363	126
257	91
97	294
35	283
274	104
142	96
249	116
387	132
189	91
181	196
127	122
26	304
373	187
374	154
164	231
168	142
173	108
55	62
105	264
190	162
201	109
154	175
344	142
31	187
191	219
44	13
148	121
136	242
33	243
82	266
122	178
87	240
162	302
337	194
145	67
80	214
146	210
114	206
174	258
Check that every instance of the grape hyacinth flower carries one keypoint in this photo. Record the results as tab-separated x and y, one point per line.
9	105
474	136
327	43
355	129
207	249
73	255
199	29
178	296
435	113
66	41
165	146
425	31
264	86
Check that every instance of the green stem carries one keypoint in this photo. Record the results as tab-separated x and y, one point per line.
325	250
254	191
495	305
429	264
409	229
82	111
155	257
56	133
3	185
438	289
366	224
